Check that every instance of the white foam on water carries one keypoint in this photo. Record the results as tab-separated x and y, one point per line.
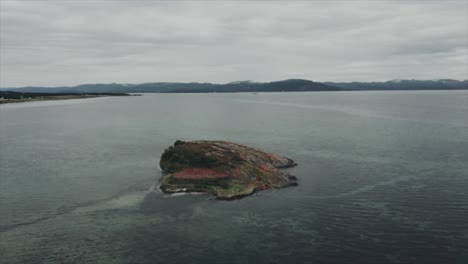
126	201
182	193
157	188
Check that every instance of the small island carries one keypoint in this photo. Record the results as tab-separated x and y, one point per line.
224	169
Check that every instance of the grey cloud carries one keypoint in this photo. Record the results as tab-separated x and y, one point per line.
72	42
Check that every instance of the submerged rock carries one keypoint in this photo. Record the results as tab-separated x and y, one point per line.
226	170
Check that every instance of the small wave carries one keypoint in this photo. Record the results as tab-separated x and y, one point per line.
367	188
353	111
125	199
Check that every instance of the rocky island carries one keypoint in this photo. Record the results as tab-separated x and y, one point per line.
225	169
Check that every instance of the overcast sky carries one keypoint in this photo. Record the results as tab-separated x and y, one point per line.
52	43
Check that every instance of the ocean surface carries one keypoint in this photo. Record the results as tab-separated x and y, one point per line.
383	178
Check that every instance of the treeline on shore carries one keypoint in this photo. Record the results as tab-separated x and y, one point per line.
29	95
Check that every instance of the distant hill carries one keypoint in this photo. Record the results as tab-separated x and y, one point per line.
443	84
291	85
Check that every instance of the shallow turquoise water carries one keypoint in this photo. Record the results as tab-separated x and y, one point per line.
383	178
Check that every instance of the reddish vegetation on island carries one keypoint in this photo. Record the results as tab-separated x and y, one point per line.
224	169
199	173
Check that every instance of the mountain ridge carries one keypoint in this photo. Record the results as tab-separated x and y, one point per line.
289	85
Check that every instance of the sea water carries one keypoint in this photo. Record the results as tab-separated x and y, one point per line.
383	178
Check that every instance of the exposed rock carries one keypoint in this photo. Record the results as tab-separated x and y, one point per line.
226	170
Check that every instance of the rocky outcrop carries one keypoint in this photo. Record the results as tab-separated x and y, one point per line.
226	170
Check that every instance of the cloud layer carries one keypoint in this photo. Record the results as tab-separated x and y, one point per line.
50	43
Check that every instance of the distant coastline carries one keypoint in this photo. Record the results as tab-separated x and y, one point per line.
290	85
7	97
296	85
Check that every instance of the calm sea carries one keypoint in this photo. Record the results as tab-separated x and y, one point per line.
383	178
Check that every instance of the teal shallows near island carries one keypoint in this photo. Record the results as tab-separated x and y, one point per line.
225	169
